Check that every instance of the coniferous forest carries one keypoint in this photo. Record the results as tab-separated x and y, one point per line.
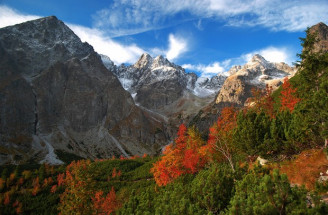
265	158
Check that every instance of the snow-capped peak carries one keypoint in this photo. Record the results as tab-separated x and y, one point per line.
147	71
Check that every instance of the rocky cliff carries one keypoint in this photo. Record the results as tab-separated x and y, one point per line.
165	88
321	32
257	73
56	94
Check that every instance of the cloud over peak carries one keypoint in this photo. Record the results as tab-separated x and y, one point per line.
177	46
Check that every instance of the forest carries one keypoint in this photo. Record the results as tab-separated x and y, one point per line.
269	157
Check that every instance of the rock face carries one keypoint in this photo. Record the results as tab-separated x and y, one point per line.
56	94
256	73
237	87
321	31
165	88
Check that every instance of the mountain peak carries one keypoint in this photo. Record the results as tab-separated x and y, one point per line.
258	58
145	60
321	31
48	40
161	61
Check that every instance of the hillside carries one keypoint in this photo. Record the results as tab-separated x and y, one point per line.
269	157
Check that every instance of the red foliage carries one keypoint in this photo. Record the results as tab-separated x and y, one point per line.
144	155
119	173
47	181
288	98
20	181
60	179
188	155
262	100
180	141
53	188
7	198
15	204
114	173
105	205
19	209
98	201
191	160
76	196
36	186
18	205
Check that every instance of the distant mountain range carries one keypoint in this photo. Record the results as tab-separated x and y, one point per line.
58	95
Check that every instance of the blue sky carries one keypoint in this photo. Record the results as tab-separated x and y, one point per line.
206	36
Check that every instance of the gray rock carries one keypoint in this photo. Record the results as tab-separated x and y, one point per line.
56	94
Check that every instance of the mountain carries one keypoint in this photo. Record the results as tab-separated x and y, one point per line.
257	73
321	31
162	87
56	95
148	71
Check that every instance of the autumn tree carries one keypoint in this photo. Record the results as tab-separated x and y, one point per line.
262	101
288	98
76	199
114	173
36	186
105	205
220	136
187	156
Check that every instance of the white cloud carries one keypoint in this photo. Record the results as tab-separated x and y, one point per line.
8	17
208	70
177	46
144	15
117	52
272	54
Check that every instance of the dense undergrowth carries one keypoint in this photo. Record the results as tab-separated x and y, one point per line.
219	175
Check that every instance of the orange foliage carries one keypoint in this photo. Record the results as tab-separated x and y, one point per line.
144	155
36	186
186	156
47	181
12	177
2	183
306	168
76	196
15	204
114	173
19	209
105	205
60	179
288	97
220	135
53	188
20	181
263	100
7	198
18	205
